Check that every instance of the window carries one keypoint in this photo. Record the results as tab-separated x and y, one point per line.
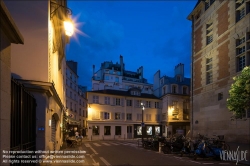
148	105
95	99
178	78
164	117
241	61
184	90
80	112
75	107
116	79
117	116
138	103
241	52
157	105
71	105
129	116
118	130
164	90
241	9
208	3
95	130
174	89
107	130
149	130
106	115
129	102
139	117
70	94
107	100
209	72
117	101
158	117
220	96
80	101
175	107
209	32
148	117
106	77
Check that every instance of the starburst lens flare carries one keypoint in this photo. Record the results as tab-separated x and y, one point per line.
69	28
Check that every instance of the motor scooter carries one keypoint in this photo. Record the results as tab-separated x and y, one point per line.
205	149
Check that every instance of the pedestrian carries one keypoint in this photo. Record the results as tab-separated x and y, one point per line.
76	134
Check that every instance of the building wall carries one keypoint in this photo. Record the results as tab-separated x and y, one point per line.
41	60
114	76
96	117
9	33
35	31
210	114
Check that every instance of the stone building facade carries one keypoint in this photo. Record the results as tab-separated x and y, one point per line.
40	65
114	76
175	95
115	114
220	50
76	101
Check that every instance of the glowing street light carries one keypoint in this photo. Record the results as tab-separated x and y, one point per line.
69	28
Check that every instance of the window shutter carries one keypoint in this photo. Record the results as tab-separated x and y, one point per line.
123	116
101	115
113	100
112	115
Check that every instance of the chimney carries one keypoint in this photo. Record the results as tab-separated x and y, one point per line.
121	63
93	70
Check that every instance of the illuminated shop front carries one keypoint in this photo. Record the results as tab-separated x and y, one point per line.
147	131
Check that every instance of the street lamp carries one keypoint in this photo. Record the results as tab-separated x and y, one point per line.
68	25
142	124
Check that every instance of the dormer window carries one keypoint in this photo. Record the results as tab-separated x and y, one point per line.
174	89
135	93
178	78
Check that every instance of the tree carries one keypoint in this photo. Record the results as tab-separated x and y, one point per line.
239	94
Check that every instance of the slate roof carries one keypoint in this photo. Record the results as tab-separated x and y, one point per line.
124	93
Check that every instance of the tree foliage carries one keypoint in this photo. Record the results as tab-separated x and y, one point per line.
239	94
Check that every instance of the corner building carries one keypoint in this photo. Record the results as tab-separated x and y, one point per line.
220	50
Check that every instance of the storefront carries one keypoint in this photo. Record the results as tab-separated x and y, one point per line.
147	131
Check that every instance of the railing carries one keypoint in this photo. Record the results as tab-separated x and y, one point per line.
23	119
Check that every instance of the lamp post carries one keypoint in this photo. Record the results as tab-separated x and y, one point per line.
142	123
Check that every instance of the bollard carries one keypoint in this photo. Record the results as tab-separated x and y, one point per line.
159	147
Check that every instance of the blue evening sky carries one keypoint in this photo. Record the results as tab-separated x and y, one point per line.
152	34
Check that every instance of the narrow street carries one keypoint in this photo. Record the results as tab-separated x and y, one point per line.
128	153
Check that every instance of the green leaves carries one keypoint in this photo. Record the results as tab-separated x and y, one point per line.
239	93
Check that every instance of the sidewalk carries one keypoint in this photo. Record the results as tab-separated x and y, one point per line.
68	156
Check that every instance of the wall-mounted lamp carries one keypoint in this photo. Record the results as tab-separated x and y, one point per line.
68	24
49	123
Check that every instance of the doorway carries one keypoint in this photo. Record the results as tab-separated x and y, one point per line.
129	132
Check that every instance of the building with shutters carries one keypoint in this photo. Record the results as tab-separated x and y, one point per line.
116	114
175	95
40	65
114	76
76	101
220	50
